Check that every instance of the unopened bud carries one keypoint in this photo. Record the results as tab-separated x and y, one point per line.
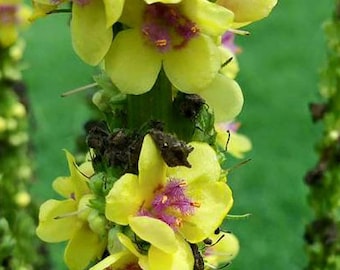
18	110
22	199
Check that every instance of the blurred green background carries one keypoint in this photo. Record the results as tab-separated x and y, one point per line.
279	76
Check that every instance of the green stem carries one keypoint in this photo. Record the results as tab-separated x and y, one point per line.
155	105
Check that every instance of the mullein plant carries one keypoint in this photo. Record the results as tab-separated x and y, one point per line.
323	233
19	247
152	192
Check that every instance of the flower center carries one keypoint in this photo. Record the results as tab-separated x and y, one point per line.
8	14
170	204
166	28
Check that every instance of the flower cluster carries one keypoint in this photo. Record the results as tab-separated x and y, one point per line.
19	247
146	218
153	193
143	37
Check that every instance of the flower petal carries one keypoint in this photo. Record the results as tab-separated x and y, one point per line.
232	68
113	10
127	243
133	13
211	19
123	200
225	96
215	199
108	261
131	64
202	154
151	167
247	11
154	231
84	247
224	250
91	38
192	68
55	225
79	181
182	259
64	186
238	144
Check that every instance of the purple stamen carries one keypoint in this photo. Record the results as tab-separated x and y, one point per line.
170	204
158	34
164	24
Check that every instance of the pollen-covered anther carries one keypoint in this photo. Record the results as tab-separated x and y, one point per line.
161	42
170	203
194	29
195	204
178	222
164	199
166	27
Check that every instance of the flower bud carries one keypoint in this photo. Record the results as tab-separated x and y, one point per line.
3	124
22	199
247	11
97	222
18	110
83	206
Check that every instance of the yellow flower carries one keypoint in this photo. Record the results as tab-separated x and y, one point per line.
223	249
237	144
178	37
161	202
68	219
13	15
91	25
248	11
